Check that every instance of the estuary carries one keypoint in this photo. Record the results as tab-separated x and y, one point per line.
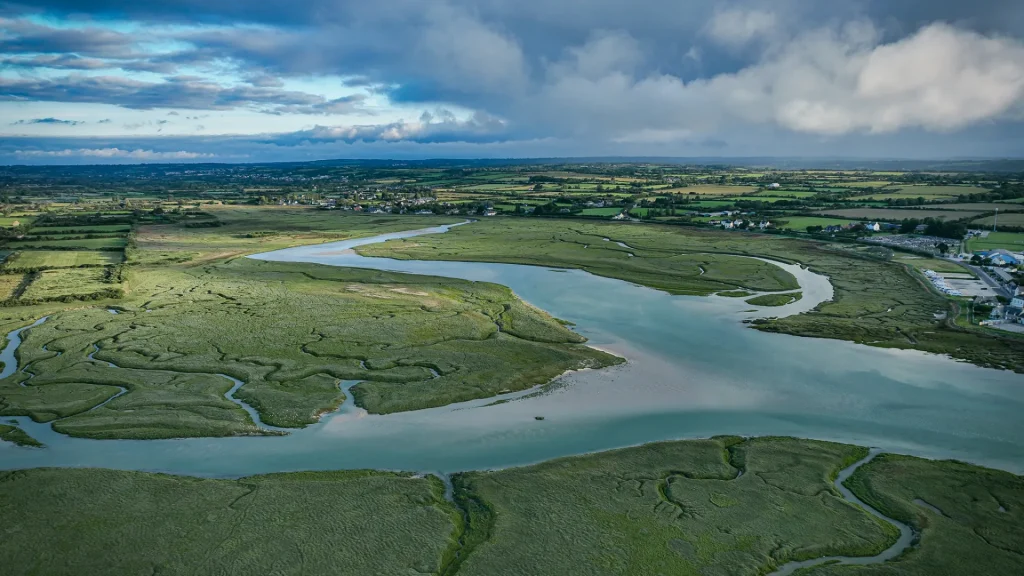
694	370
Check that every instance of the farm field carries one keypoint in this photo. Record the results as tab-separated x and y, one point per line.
1013	219
800	223
670	508
931	193
1013	241
9	221
84	244
601	211
711	190
780	193
57	284
980	207
83	229
9	283
37	259
896	214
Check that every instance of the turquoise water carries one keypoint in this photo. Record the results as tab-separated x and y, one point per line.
694	371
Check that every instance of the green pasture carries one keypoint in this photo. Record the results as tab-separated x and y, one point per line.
38	259
1013	241
84	244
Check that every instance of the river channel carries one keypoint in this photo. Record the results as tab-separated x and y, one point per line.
694	371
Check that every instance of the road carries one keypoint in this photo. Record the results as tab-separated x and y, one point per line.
992	282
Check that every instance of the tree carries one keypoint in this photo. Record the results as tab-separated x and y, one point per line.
909	225
814	229
943	247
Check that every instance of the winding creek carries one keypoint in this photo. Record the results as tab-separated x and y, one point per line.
694	371
905	540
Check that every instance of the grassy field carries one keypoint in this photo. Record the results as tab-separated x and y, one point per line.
54	284
82	243
1013	241
17	436
780	193
40	259
72	522
96	229
601	211
9	221
1014	219
700	507
9	284
775	299
711	190
981	207
800	223
896	214
930	193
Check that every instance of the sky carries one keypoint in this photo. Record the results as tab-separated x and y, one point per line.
123	81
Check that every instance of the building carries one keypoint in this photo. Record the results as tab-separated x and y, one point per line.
1000	257
1018	300
872	227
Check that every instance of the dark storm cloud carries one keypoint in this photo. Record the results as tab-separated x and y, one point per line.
48	120
24	37
175	92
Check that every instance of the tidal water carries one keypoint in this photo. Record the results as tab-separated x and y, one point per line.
695	370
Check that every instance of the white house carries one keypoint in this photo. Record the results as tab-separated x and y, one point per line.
873	227
1018	299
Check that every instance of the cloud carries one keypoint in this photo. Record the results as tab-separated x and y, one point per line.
48	121
114	153
735	27
940	78
184	92
596	73
823	82
343	105
20	36
439	126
